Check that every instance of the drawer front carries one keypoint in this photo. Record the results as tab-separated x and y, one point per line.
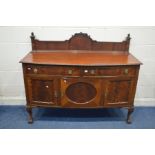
51	70
116	71
80	71
38	69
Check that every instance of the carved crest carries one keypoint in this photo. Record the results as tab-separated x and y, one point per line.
81	35
80	41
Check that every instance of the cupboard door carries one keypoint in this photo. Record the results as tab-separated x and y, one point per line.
80	92
118	91
42	90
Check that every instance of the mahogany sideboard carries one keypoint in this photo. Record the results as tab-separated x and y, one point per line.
80	73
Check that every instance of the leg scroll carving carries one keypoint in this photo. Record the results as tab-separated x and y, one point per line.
30	118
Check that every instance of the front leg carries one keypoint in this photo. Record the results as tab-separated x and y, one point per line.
130	111
30	118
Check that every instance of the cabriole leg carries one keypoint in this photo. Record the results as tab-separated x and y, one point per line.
30	118
130	111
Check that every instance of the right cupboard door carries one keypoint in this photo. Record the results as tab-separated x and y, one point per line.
118	91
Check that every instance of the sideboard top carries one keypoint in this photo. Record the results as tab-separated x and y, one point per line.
80	58
80	49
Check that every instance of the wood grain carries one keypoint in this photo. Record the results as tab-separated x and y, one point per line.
80	58
81	41
80	73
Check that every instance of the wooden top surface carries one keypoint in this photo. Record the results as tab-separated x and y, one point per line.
80	58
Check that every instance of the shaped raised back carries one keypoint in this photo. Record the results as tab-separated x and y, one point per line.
80	41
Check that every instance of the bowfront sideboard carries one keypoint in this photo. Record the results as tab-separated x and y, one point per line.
80	73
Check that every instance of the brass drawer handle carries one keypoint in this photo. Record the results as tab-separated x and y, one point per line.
55	94
62	94
105	94
92	71
126	71
70	71
28	68
35	70
47	86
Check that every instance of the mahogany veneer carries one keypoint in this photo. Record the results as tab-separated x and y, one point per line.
80	73
79	58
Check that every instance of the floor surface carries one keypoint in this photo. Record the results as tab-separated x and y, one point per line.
15	117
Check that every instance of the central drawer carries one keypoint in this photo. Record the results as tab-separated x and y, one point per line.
79	70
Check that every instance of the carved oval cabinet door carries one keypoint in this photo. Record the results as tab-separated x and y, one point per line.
80	92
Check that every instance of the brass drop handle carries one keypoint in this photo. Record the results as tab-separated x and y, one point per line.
126	71
105	94
29	68
62	94
55	94
35	70
70	71
47	86
92	71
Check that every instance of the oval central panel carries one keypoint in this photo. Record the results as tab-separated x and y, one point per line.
81	92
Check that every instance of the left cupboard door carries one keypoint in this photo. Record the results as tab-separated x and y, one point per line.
42	91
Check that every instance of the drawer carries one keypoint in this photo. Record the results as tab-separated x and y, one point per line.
80	70
115	71
38	69
109	71
52	70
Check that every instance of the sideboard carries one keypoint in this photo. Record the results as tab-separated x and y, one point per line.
80	73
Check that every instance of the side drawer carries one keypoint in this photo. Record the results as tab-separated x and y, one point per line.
51	70
109	71
114	71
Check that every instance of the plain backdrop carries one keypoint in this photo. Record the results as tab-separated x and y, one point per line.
75	13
